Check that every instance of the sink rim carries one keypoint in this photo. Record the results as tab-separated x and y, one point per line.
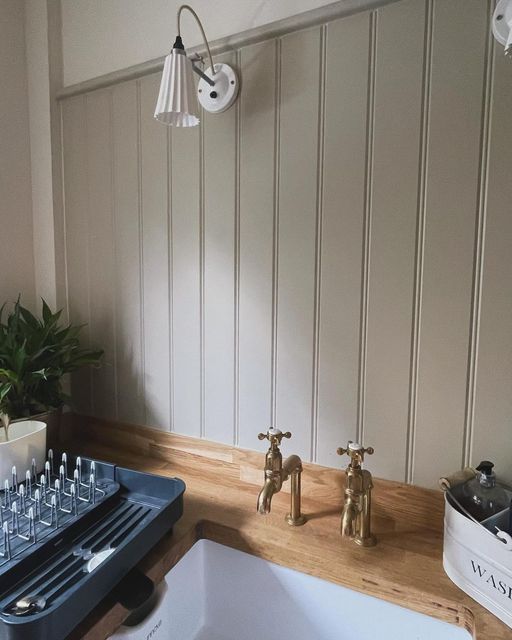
231	540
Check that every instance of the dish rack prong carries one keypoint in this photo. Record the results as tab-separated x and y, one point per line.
28	508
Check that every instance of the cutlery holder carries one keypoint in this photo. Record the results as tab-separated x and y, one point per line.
478	557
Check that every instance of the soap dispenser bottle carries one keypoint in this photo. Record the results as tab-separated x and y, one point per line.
483	495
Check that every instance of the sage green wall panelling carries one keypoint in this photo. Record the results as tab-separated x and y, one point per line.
331	255
219	271
186	280
493	399
455	120
299	112
343	207
257	151
127	240
394	175
77	224
100	242
155	258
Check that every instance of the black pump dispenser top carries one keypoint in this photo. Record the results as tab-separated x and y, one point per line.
482	496
178	43
485	467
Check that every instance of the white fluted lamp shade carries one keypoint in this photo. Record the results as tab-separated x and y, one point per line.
177	101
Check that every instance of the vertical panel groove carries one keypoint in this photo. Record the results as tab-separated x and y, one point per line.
318	243
365	271
76	235
236	390
201	273
185	275
346	86
170	279
141	252
64	213
275	247
155	238
91	376
420	240
256	214
480	226
114	245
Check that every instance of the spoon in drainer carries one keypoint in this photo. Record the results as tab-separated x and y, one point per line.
28	604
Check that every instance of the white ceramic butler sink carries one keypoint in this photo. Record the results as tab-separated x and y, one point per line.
217	593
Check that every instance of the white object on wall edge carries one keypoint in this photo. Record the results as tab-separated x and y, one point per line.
27	441
502	25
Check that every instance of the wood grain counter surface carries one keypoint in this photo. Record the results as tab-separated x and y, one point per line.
220	504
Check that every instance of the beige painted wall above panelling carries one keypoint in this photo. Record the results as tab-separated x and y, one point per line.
16	248
100	36
330	256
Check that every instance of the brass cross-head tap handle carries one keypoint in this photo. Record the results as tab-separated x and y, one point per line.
274	436
356	452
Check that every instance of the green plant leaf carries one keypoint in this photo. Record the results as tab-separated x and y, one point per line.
34	355
8	375
28	317
5	388
47	313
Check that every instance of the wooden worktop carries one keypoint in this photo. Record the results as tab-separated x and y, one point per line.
222	486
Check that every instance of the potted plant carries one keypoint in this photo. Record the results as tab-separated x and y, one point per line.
35	355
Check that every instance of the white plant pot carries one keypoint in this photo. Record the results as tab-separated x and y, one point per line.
27	441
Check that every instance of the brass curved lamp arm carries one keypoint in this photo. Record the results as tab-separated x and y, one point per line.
189	8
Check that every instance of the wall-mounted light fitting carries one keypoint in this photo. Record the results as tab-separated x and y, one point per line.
177	100
502	25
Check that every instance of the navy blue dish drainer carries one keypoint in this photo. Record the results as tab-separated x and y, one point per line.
68	538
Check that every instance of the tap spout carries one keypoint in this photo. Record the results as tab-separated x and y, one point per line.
348	519
276	473
265	496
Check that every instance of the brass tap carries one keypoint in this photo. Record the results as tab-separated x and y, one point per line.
277	472
356	514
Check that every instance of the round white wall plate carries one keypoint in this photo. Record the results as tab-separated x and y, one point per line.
501	21
223	94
